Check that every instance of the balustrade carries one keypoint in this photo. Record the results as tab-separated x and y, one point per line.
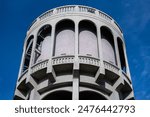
73	9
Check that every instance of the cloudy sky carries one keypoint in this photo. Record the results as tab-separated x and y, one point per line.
132	15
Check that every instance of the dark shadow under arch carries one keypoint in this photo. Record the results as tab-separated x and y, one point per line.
88	25
65	23
121	54
59	95
90	95
45	30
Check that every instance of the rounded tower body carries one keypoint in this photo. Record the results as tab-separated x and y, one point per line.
74	52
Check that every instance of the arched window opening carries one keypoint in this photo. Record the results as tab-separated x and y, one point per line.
108	45
28	51
121	54
64	38
88	39
90	95
43	44
59	95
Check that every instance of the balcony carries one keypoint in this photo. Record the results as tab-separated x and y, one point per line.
63	65
88	65
76	9
38	71
111	72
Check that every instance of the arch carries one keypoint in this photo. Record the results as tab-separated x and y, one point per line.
59	95
90	95
88	39
28	51
29	40
108	45
121	54
43	44
64	38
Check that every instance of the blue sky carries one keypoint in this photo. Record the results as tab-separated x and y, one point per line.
132	15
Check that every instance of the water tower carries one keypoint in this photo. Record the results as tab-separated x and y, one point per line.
74	52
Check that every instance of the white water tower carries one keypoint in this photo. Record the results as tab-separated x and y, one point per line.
74	52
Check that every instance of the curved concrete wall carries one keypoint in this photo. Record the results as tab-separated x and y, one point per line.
108	54
45	49
65	42
88	43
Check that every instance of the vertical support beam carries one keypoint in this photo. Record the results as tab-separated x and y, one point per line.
53	40
100	49
114	95
117	59
29	82
76	76
117	51
75	93
120	80
34	95
76	39
101	71
32	57
33	49
50	71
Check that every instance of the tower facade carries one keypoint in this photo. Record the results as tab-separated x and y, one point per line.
74	52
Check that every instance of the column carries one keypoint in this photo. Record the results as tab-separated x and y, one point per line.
117	51
99	41
75	93
101	71
50	71
32	57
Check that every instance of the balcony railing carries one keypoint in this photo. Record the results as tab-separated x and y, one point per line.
65	9
88	65
75	8
70	59
62	60
89	60
46	14
39	66
86	9
111	67
103	15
